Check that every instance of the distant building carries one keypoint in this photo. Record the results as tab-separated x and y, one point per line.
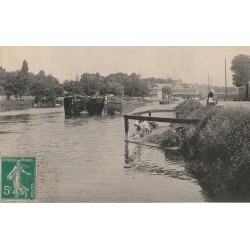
156	91
185	93
178	90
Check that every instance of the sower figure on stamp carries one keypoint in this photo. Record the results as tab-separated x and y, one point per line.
15	176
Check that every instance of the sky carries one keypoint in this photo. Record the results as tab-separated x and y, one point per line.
191	64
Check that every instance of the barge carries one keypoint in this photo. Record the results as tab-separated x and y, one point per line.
76	105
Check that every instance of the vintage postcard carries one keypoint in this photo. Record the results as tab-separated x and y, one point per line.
124	124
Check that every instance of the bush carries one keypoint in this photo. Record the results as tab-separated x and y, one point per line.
170	139
156	139
191	132
224	147
187	107
221	142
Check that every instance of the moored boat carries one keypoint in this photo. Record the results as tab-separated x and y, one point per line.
75	105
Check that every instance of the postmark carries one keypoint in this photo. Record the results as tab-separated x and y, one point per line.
18	178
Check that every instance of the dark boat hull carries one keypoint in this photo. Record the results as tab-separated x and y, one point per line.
74	105
95	107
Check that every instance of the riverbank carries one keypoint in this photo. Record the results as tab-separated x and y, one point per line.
123	106
219	148
7	105
130	105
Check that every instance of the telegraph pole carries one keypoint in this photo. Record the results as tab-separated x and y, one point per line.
208	83
226	77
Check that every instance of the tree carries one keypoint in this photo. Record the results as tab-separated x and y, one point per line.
21	83
37	86
72	87
53	88
169	80
2	74
167	90
45	88
240	66
9	84
25	67
120	77
91	84
2	78
77	78
133	84
115	88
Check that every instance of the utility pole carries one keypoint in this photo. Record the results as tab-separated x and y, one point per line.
247	84
208	83
226	77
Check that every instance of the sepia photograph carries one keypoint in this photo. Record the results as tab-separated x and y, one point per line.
93	124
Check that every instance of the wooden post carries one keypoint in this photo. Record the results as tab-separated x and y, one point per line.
126	153
126	123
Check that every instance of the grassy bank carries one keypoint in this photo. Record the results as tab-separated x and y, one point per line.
7	105
130	104
220	147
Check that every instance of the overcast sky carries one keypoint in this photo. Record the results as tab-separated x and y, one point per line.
191	64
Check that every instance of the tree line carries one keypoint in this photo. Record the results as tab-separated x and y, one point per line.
45	88
118	84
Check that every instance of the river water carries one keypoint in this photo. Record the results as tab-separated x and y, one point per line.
87	160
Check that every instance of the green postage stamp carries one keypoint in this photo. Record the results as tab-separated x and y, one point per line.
18	180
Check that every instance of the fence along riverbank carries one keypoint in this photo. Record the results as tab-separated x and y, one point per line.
138	116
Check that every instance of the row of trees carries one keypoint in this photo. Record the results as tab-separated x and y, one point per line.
117	84
45	88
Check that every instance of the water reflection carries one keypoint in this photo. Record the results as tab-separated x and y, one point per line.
140	158
14	118
133	158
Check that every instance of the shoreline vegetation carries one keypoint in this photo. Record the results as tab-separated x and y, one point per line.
16	104
217	149
126	105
